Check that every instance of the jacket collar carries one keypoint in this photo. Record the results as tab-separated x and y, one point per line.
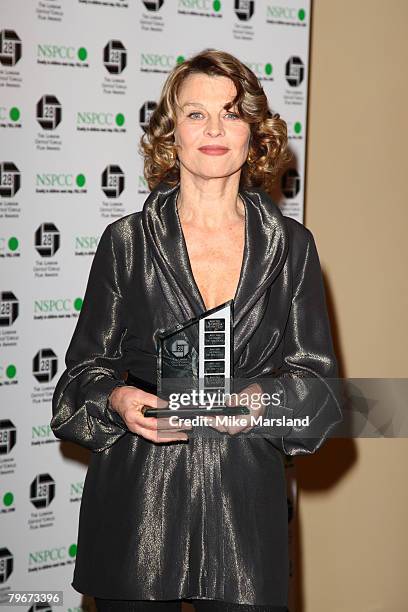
265	252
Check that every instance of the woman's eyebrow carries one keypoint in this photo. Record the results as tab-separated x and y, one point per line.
192	104
198	104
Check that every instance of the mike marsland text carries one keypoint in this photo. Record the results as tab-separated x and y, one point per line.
235	421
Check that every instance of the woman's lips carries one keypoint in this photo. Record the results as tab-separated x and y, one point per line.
213	150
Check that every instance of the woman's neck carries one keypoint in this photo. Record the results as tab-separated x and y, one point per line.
210	203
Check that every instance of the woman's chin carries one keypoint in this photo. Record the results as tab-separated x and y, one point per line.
213	172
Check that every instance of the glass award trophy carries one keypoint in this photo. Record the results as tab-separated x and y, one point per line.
195	361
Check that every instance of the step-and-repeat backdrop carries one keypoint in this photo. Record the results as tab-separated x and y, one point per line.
78	82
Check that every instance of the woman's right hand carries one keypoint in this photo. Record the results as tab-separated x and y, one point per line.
128	402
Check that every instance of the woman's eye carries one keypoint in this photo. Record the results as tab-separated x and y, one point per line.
235	115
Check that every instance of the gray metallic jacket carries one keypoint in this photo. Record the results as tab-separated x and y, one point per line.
205	518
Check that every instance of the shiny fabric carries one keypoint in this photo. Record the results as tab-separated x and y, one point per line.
206	518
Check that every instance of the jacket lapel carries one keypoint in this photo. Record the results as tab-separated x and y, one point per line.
265	252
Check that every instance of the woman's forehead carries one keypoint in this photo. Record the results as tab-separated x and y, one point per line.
196	86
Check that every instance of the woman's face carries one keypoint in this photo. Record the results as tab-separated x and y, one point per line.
213	142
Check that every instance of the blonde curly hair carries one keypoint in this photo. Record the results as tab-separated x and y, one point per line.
267	151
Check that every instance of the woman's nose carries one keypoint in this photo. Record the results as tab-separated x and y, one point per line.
214	126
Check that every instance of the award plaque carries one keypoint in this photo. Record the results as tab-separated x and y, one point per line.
197	359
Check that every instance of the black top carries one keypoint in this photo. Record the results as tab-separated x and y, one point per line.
205	518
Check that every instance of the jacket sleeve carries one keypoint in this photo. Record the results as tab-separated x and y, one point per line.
95	358
307	381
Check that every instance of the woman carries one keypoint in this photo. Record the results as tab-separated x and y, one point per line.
204	520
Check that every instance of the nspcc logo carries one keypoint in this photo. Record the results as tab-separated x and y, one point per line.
51	557
10	48
10	179
153	5
294	71
47	239
263	70
60	55
159	62
50	182
56	308
8	374
10	116
93	121
42	490
8	435
45	365
146	112
8	308
9	246
244	9
113	181
49	112
208	8
86	245
114	57
285	15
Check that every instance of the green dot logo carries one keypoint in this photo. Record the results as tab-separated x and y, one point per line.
297	127
8	498
80	180
14	113
301	14
72	550
12	243
120	119
11	370
268	69
180	59
82	54
78	303
217	5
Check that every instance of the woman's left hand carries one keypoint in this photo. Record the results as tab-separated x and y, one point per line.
243	398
